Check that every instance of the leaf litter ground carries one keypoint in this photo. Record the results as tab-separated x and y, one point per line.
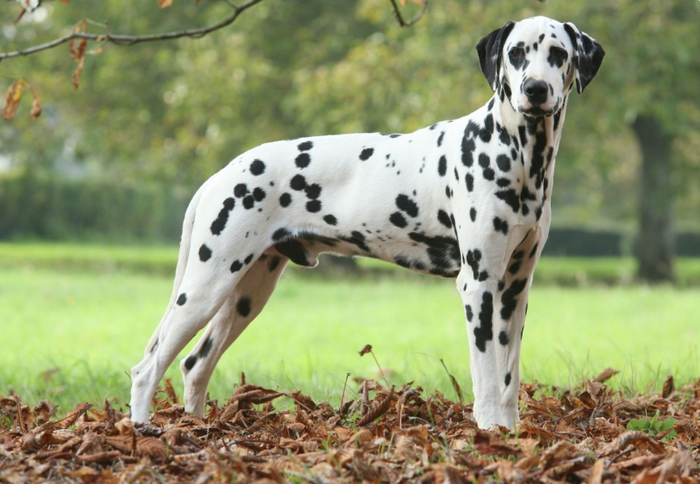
385	435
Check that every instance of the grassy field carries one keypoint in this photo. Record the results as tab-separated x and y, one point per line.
72	335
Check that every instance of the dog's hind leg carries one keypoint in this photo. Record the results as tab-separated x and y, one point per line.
192	310
205	279
241	307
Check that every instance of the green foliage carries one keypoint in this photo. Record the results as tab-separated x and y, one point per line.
652	426
177	112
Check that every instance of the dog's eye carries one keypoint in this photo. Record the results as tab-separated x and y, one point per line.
516	54
558	56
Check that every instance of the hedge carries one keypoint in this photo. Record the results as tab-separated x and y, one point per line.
59	209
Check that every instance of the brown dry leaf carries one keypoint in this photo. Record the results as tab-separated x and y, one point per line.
45	411
78	71
366	348
378	410
35	111
12	99
165	3
489	443
669	387
435	440
605	375
170	391
632	437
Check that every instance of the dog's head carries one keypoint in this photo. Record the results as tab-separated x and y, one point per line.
536	61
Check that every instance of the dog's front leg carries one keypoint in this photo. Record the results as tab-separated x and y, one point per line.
478	285
478	300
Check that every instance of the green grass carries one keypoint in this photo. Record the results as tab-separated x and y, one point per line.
71	335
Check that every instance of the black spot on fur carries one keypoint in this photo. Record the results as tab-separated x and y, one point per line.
248	259
503	162
511	198
285	199
486	132
274	263
507	380
218	225
358	239
468	145
257	167
489	174
243	306
484	160
189	362
248	202
407	205
444	219
398	219
182	299
258	194
509	298
484	333
442	251
439	140
503	135
470	182
472	214
298	182
313	191
206	347
366	154
473	260
303	160
442	165
533	251
503	338
523	135
305	146
204	253
330	220
500	225
515	267
469	312
236	266
240	190
503	182
313	206
280	234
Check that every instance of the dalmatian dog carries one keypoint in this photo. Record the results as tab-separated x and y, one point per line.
467	198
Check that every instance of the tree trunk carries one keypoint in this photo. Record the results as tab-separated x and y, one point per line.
655	239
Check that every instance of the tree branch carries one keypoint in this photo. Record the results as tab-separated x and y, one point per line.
399	17
126	40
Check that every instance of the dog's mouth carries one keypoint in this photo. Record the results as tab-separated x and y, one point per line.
538	112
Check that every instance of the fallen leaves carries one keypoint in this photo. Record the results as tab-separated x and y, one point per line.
386	435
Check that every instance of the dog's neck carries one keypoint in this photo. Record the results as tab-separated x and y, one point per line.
538	139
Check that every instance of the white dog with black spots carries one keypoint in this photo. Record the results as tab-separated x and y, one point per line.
467	198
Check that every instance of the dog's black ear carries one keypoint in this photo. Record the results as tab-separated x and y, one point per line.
588	56
490	52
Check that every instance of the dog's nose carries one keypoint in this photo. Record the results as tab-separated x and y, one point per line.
536	91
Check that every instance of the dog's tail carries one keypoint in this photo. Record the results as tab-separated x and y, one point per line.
182	257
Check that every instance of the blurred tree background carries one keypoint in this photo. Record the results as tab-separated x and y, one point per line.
118	158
